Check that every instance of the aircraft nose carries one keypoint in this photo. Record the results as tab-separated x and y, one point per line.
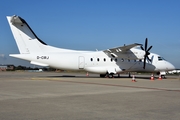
170	66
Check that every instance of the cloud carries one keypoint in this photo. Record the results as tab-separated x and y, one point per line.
3	56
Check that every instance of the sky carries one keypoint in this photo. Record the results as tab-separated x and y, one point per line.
95	24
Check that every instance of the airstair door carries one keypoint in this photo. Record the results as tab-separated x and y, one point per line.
81	62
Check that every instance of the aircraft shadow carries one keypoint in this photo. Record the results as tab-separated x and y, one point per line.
96	76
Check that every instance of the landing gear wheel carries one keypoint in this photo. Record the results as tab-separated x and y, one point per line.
129	75
102	75
111	75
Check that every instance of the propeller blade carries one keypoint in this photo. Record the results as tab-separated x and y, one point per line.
149	59
146	52
146	42
142	47
149	48
144	66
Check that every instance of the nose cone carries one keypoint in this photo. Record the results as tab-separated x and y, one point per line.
164	66
170	66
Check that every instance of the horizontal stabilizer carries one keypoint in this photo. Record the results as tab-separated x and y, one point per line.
39	64
28	57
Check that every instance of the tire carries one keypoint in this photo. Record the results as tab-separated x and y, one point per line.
102	75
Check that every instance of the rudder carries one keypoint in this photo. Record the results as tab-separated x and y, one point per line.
25	38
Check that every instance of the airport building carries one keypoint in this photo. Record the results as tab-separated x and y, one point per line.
6	67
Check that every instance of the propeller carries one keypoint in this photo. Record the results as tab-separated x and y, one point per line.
146	52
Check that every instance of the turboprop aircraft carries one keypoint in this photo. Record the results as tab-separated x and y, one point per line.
127	58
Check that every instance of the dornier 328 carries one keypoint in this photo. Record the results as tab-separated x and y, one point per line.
127	58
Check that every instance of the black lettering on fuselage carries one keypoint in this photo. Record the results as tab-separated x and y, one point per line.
43	57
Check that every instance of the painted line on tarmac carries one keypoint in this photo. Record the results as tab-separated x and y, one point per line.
103	84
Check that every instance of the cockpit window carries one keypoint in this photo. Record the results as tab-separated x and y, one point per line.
160	58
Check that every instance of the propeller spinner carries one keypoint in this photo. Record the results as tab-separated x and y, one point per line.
146	52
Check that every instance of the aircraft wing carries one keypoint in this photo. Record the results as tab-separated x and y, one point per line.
114	52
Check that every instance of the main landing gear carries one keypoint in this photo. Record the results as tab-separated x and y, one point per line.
111	75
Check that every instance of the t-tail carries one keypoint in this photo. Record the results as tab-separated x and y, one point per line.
29	45
26	40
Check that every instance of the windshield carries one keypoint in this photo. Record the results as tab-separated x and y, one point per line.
160	58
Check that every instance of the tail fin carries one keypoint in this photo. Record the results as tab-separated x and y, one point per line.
25	38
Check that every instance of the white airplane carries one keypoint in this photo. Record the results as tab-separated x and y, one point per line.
127	58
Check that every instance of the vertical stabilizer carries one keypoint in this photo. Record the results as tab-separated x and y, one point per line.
25	38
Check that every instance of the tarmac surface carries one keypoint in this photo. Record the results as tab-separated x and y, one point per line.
75	96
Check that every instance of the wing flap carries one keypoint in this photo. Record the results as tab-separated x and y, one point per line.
128	47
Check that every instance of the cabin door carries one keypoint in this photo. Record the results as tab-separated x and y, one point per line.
81	62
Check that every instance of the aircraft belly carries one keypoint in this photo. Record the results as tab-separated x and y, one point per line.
100	70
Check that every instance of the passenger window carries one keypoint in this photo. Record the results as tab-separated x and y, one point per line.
111	59
104	59
91	59
98	59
